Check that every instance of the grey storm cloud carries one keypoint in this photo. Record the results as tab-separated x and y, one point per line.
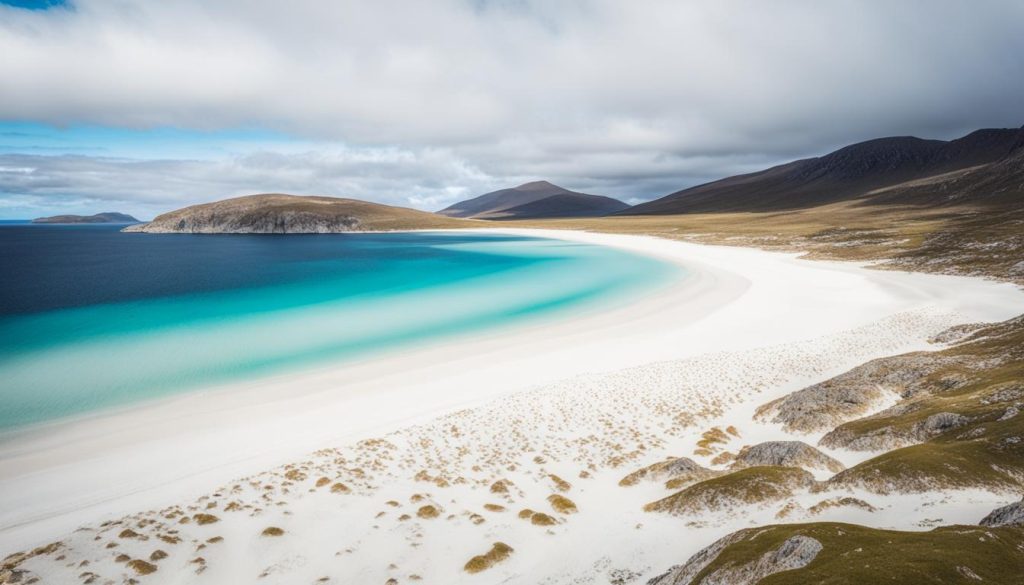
436	100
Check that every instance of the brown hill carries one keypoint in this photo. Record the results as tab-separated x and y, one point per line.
293	214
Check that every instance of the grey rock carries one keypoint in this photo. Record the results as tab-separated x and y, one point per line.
937	424
795	553
787	454
1010	413
1009	515
682	469
893	437
684	574
852	394
1004	393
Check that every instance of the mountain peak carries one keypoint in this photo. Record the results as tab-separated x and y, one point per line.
537	186
535	199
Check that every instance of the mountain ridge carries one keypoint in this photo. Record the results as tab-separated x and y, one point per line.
850	172
104	217
534	200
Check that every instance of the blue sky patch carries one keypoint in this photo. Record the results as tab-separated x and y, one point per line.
36	4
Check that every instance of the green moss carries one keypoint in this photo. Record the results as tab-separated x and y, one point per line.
854	554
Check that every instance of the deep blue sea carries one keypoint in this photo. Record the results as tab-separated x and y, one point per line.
92	318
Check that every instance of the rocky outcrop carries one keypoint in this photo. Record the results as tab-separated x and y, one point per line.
795	553
896	435
850	395
842	502
290	214
753	485
1009	515
684	574
786	454
680	471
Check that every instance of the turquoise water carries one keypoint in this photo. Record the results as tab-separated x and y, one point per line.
91	318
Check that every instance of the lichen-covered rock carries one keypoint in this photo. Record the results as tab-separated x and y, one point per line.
684	574
1009	515
796	552
787	454
895	435
680	470
851	395
937	424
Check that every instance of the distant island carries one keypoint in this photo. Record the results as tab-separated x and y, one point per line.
536	200
106	217
276	213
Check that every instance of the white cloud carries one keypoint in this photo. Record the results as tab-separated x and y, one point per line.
629	98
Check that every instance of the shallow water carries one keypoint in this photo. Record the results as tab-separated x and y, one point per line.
93	318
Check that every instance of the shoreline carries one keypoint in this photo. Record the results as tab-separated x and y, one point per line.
734	300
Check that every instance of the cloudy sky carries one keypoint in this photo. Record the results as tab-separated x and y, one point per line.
147	105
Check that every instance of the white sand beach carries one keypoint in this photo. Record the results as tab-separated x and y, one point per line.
584	398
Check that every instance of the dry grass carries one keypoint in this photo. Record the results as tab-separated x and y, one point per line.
542	519
499	552
562	504
142	567
428	511
203	519
960	240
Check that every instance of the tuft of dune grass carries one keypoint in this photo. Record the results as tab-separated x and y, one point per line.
428	511
542	519
499	552
202	519
562	504
142	567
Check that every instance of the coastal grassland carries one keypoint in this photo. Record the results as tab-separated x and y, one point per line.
964	239
852	554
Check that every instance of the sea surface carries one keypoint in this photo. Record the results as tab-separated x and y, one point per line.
92	318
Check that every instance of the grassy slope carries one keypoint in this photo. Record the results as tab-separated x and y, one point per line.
980	379
858	555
